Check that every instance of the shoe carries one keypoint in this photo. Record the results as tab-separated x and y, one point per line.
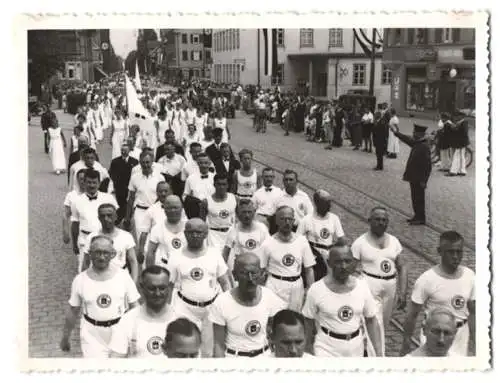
355	148
417	222
329	147
450	175
411	219
462	174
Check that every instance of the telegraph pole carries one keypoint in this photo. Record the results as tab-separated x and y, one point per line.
372	63
258	57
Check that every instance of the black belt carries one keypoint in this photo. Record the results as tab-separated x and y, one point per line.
320	246
194	303
341	336
247	353
461	323
141	207
288	279
85	232
222	229
380	277
106	323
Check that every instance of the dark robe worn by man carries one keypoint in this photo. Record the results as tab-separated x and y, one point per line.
120	171
418	170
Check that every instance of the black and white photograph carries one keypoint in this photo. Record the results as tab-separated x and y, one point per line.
258	193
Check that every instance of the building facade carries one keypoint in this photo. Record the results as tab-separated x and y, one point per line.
433	69
328	62
184	55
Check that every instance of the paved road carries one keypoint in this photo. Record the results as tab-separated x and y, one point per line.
345	173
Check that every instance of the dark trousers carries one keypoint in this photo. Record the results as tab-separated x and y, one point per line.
418	200
337	135
46	140
379	152
121	198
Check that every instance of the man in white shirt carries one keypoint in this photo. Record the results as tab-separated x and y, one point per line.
297	199
283	256
265	199
382	266
242	315
440	329
140	332
88	162
199	186
142	191
199	272
322	229
335	309
288	335
191	165
182	340
167	236
155	166
172	165
123	242
84	211
103	294
448	285
69	200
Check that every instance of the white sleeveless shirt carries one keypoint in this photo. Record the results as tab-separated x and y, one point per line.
247	186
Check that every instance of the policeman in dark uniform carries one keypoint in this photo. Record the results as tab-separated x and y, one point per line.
418	169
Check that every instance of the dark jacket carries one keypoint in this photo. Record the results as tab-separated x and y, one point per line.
48	119
160	151
120	172
419	165
75	157
234	165
213	153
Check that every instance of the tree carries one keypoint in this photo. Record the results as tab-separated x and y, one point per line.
45	52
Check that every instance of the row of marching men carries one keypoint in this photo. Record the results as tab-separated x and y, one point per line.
227	263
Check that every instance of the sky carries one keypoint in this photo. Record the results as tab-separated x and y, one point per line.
124	40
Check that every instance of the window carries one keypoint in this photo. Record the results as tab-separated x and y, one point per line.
184	55
398	34
421	36
237	39
280	75
335	38
422	96
195	55
280	37
386	75
306	37
234	38
223	40
196	73
359	74
195	39
208	55
184	38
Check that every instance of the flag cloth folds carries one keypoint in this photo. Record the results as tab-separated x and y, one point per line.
137	77
136	111
270	52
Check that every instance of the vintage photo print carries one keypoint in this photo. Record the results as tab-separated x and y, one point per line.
283	192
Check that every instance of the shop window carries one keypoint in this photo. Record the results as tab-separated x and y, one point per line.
359	74
421	96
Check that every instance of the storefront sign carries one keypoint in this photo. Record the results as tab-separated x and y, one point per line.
423	55
395	88
411	54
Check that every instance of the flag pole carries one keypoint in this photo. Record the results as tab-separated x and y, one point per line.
372	62
258	57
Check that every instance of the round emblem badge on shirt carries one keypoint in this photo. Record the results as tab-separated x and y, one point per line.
176	243
324	233
247	185
385	266
103	301
345	313
154	345
250	244
302	207
223	214
196	273
288	259
253	327
458	302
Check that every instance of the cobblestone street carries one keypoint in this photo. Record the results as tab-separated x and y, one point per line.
346	174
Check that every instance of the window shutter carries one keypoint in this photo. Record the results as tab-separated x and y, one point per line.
455	33
438	35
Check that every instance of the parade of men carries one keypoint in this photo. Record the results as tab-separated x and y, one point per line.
182	239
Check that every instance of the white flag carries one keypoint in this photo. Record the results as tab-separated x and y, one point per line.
136	111
137	77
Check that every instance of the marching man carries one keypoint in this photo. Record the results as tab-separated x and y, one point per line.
265	198
448	285
242	315
246	180
338	304
283	255
103	293
383	267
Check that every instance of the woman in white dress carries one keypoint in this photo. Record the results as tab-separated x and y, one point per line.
393	141
162	125
119	132
176	122
56	149
200	121
96	121
221	122
107	112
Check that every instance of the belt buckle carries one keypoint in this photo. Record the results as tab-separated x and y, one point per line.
348	337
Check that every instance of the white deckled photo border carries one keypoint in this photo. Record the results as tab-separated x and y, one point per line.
478	20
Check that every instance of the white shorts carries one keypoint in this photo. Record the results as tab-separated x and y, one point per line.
139	215
460	345
291	292
94	340
326	346
82	241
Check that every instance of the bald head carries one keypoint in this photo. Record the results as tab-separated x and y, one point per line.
321	195
440	315
340	250
322	202
173	200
